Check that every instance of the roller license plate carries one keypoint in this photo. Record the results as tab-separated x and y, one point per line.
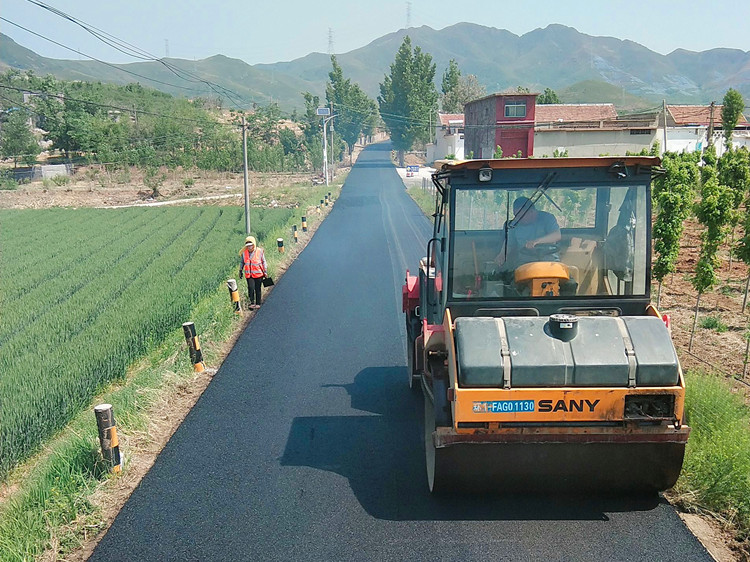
504	406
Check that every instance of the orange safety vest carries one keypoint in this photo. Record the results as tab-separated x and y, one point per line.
253	266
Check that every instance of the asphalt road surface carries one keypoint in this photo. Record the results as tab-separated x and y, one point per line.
307	444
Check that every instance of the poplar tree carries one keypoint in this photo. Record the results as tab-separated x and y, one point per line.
731	110
548	96
312	130
467	89
450	77
355	112
408	98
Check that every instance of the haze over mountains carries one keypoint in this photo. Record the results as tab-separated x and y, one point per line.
579	67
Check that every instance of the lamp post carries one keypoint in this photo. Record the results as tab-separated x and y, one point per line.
325	147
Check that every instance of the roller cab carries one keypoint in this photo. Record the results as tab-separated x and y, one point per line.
544	366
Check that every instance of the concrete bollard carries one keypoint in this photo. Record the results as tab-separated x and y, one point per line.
280	245
294	233
304	224
110	443
194	347
234	295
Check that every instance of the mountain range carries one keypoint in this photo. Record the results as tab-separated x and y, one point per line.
580	68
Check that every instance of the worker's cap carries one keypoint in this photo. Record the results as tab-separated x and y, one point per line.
250	240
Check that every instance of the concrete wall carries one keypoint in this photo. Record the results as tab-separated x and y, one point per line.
590	143
45	171
691	139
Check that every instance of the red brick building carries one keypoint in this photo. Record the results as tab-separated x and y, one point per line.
505	120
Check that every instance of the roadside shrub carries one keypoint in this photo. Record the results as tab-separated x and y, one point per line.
713	323
7	182
61	180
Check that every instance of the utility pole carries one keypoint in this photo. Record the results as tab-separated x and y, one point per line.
710	140
325	151
333	162
664	110
247	190
323	112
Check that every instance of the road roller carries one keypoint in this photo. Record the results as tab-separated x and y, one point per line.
530	331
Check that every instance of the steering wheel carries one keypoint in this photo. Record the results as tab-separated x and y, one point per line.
542	249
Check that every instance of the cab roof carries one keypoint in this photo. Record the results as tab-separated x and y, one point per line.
534	163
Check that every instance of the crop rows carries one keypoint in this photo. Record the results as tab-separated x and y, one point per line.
84	298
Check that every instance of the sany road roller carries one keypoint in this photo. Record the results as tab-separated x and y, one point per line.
530	331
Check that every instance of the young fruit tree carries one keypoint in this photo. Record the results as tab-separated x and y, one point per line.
713	211
734	172
673	197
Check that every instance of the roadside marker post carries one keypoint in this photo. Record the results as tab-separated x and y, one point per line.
194	347
110	443
294	233
280	245
234	295
304	224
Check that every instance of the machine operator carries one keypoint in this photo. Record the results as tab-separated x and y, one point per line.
526	233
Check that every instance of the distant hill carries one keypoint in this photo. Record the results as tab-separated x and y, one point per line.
250	84
592	91
581	68
555	57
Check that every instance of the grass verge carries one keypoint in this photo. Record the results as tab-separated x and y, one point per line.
49	504
716	474
425	199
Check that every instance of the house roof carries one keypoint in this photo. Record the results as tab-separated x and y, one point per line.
448	119
699	115
572	112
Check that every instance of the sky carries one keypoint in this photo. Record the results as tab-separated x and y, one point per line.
267	32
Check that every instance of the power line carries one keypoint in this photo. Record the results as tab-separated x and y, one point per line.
94	58
138	53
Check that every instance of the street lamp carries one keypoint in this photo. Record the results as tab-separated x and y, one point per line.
325	147
325	111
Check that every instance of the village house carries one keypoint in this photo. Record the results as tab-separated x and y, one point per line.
516	124
688	128
505	120
449	138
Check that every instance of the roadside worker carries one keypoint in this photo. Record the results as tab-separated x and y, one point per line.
253	266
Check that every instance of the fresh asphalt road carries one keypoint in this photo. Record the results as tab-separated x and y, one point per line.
307	443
